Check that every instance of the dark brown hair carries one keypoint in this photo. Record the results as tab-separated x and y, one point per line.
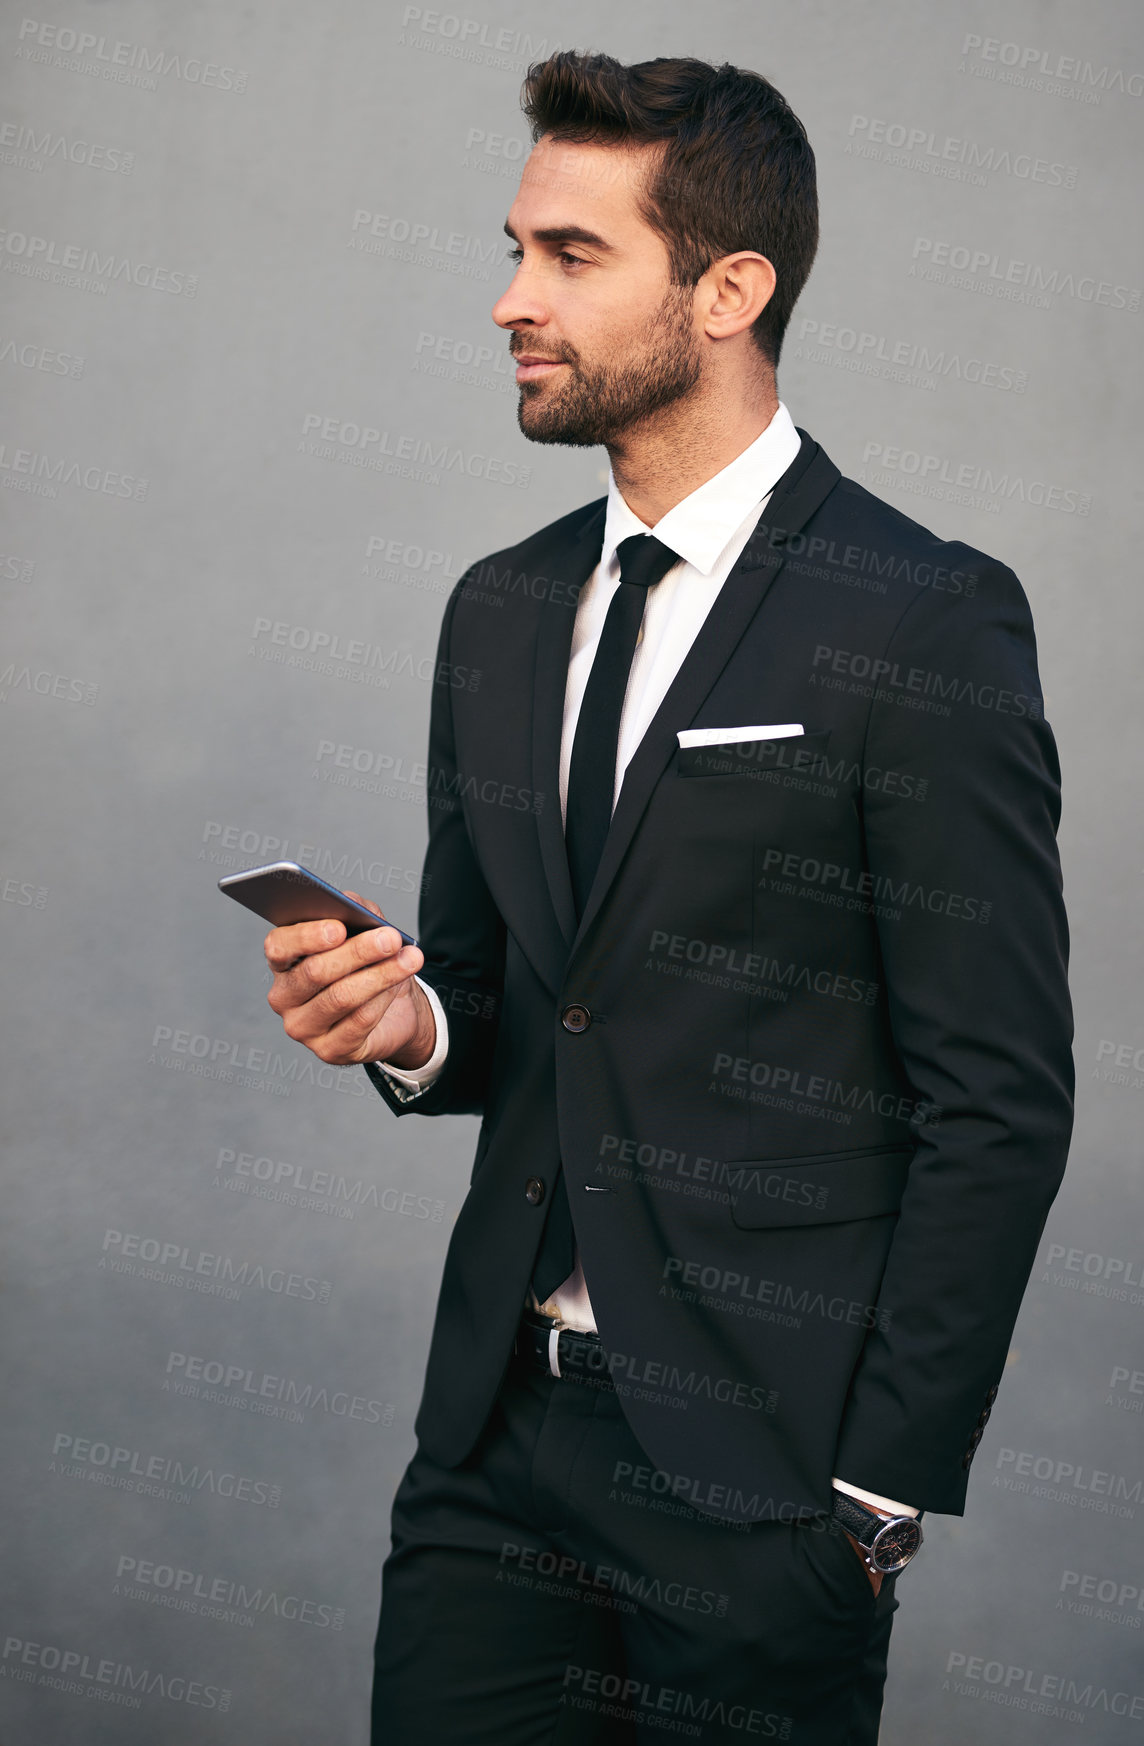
736	170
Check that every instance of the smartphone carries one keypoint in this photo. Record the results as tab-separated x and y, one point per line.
284	893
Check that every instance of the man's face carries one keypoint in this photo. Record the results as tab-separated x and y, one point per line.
603	339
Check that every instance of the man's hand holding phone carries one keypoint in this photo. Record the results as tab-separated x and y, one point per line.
351	998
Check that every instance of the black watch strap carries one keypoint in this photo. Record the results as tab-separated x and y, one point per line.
890	1541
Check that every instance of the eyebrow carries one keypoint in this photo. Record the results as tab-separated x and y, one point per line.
554	233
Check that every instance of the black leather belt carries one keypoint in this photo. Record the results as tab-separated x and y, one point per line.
563	1352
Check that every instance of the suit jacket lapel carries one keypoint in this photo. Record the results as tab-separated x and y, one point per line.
553	646
802	488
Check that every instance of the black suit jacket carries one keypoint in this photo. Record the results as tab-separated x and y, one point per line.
813	1126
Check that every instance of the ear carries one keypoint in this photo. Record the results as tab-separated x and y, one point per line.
733	293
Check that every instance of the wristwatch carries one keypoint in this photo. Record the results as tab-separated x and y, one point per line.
889	1542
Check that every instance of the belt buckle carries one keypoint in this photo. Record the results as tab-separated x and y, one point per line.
539	1323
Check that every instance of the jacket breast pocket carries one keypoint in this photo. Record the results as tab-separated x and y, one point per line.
823	1188
768	761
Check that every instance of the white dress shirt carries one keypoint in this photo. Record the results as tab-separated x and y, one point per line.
709	530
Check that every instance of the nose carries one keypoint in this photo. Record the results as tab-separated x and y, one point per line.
522	303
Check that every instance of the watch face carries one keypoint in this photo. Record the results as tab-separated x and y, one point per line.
895	1544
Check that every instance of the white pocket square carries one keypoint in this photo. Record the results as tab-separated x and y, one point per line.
733	735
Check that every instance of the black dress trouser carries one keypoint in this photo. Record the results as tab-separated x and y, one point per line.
551	1591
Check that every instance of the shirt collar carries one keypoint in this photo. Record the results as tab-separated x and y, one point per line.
700	527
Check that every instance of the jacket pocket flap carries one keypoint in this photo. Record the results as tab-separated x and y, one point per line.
822	1190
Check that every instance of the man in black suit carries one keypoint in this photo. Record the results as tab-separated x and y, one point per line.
743	934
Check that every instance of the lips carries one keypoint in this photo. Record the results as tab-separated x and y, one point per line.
531	368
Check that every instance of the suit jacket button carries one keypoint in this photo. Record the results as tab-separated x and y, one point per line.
991	1396
534	1190
967	1458
575	1017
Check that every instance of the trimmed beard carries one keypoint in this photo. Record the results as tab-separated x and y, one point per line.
598	402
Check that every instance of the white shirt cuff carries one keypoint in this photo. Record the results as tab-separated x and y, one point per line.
872	1498
421	1078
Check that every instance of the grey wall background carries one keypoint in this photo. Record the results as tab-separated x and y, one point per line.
256	420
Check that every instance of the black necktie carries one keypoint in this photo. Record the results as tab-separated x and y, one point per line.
592	772
591	785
